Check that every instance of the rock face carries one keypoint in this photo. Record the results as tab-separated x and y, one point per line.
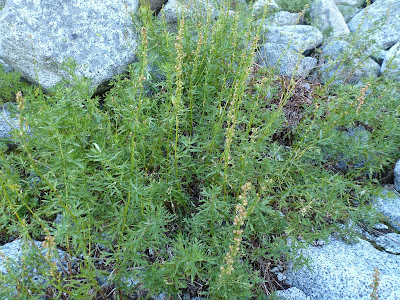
343	271
284	48
348	12
388	203
13	251
7	123
327	18
390	242
36	37
301	37
397	177
286	60
337	60
382	13
171	11
175	8
292	293
349	2
264	5
391	63
5	67
283	18
340	270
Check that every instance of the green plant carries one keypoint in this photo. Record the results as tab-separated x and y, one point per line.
293	5
188	175
10	84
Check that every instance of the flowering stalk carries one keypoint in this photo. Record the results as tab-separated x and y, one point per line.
362	97
247	60
195	65
176	99
50	245
375	284
241	214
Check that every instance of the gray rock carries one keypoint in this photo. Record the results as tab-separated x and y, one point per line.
348	11
188	297
388	203
391	63
369	237
380	226
37	37
357	3
376	53
175	8
59	219
6	67
13	252
264	5
286	60
344	271
327	18
133	283
359	134
162	296
338	62
171	11
280	276
283	18
231	4
302	38
381	23
390	242
396	172
292	293
7	122
275	270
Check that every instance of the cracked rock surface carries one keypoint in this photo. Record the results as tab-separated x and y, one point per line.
345	271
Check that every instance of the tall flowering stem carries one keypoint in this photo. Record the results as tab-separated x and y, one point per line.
362	97
142	78
177	98
144	46
230	131
241	213
374	295
195	67
247	59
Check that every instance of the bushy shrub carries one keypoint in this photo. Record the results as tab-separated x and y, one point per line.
191	175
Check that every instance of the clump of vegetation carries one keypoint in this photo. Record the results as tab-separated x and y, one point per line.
293	5
10	84
190	176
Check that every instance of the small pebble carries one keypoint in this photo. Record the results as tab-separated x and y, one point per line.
380	226
281	276
275	270
319	243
